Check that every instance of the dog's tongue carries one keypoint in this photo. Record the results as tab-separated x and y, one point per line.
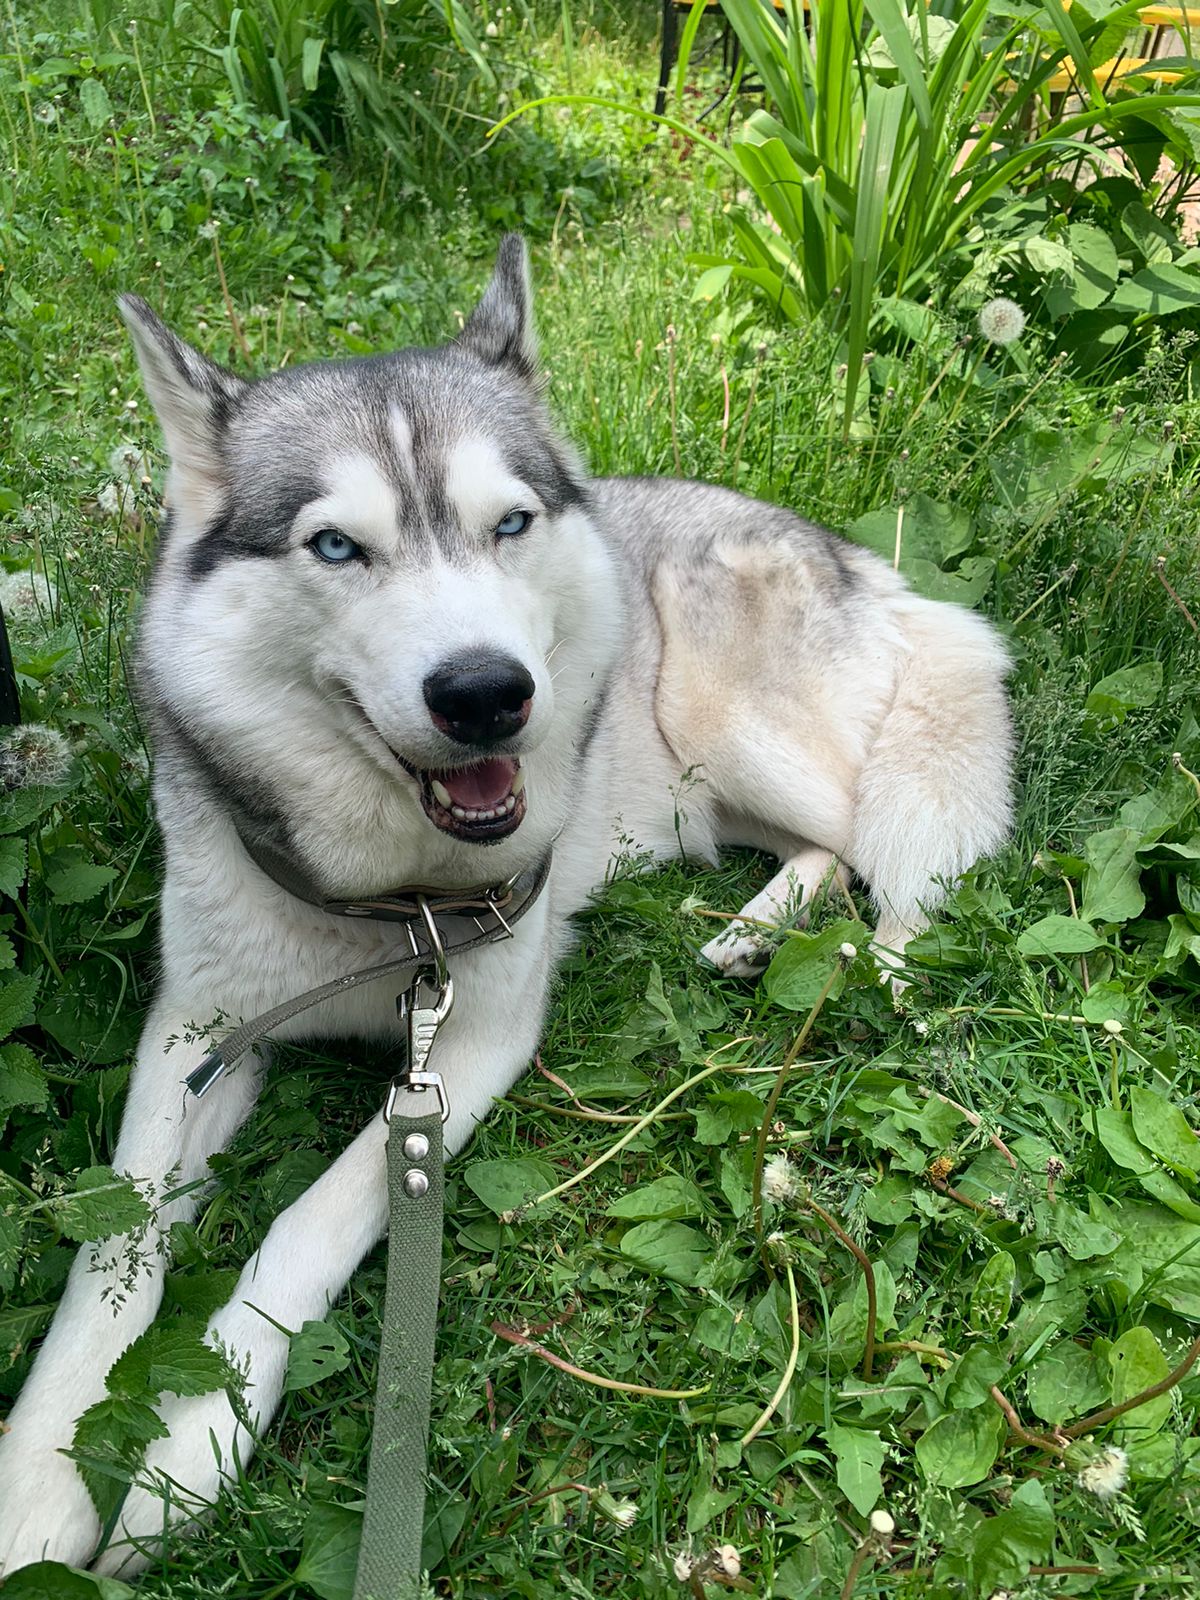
479	788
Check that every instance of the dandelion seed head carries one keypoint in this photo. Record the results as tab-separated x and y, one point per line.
33	756
1106	1475
779	1183
1001	321
26	593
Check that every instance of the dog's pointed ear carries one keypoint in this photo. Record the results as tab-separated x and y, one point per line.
500	329
191	395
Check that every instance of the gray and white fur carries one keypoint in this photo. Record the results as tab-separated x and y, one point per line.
501	623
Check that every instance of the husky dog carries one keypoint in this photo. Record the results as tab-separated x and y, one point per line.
396	636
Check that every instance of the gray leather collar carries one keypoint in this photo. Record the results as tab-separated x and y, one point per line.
465	918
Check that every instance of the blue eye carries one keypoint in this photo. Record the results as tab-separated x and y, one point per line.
334	547
515	522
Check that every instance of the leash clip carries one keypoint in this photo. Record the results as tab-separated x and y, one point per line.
422	1019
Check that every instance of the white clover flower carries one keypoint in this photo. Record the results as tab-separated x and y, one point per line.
1001	321
33	756
779	1182
1106	1475
682	1566
882	1524
26	593
726	1560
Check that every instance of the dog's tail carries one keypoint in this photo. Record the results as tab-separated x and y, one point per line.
935	791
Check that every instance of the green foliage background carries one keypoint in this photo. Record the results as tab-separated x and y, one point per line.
1012	1150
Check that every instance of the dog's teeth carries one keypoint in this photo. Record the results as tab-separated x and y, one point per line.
518	782
441	794
510	803
457	811
485	816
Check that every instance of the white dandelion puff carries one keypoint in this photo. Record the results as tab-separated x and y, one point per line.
26	593
1001	321
33	756
130	463
1106	1475
779	1182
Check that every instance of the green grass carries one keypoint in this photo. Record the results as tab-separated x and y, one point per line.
323	258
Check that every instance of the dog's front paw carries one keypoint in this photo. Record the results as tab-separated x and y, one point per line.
46	1513
738	951
179	1483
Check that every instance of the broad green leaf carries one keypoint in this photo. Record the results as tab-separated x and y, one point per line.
503	1186
1157	291
1114	1129
90	1013
51	1580
1065	1381
12	866
11	1236
958	1449
1159	1258
1116	696
1096	265
1081	1237
16	1002
20	807
728	1332
665	1197
670	1248
97	107
99	1205
706	1501
726	1112
1111	889
806	962
168	1358
317	1351
1172	1194
1017	1537
1057	935
329	1554
78	881
1165	1131
859	1456
991	1298
1136	1362
22	1081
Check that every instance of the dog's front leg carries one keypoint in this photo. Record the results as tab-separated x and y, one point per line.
112	1294
311	1250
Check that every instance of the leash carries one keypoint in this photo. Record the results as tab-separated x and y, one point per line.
437	925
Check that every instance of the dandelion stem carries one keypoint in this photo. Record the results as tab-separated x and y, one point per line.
674	406
511	1336
868	1270
1160	565
642	1122
1038	1440
772	1405
1110	1413
975	1120
764	1130
1177	763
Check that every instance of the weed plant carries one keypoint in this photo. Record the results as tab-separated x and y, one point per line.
1011	1152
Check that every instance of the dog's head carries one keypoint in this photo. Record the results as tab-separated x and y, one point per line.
382	618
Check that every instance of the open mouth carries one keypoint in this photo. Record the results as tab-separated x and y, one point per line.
480	803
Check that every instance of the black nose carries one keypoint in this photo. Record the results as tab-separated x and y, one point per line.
479	699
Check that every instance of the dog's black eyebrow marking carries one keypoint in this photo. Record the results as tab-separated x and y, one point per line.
547	475
252	529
